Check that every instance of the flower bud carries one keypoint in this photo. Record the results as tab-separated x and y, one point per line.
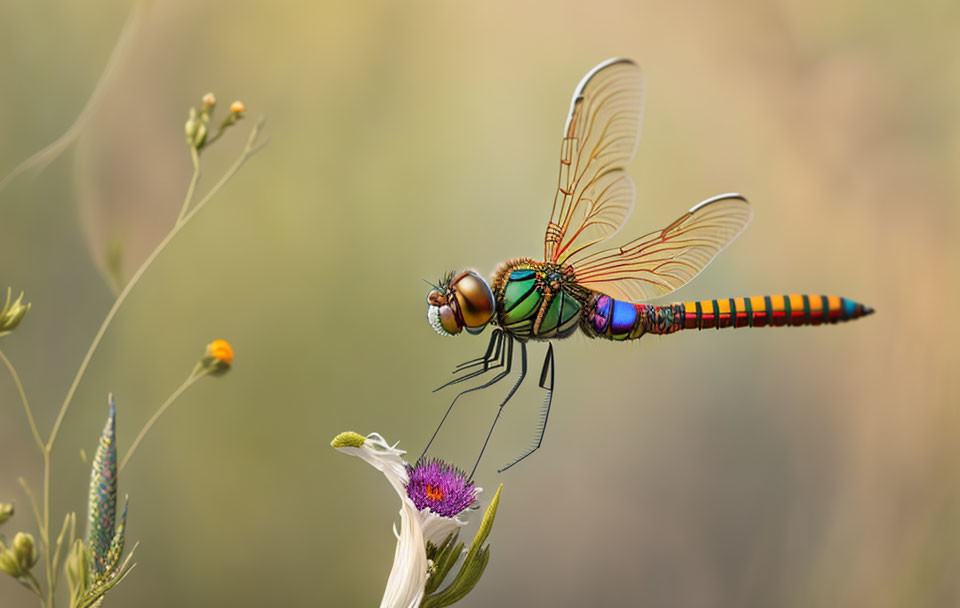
218	357
6	512
348	439
237	110
8	564
209	100
12	313
25	551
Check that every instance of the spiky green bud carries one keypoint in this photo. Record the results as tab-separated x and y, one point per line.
102	505
12	313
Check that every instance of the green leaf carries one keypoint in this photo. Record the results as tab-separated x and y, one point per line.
444	558
473	565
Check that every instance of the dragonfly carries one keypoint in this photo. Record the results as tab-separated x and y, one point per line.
604	293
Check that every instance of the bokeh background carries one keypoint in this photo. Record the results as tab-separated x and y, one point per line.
776	467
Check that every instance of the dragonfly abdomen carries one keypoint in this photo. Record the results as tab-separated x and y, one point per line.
614	319
617	320
775	311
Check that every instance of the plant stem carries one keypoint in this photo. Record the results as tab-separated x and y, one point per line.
193	377
195	159
249	150
23	398
33	501
34	586
45	531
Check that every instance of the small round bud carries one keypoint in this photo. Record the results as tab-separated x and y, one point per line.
6	512
8	564
221	351
209	100
237	107
25	551
218	357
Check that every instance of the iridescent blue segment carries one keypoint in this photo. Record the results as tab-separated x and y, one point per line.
522	274
624	317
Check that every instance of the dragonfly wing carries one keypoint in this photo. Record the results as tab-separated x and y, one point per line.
661	262
594	195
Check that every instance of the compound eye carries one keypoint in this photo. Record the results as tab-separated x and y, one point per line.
475	299
448	320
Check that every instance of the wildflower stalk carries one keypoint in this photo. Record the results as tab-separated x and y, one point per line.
195	375
24	400
248	151
194	179
43	517
33	499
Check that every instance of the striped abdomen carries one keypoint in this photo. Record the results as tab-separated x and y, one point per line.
617	320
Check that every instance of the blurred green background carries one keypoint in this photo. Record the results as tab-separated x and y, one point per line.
804	467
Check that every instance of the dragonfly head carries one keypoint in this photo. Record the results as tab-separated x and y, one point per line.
458	302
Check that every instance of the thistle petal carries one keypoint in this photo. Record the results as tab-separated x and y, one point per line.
102	505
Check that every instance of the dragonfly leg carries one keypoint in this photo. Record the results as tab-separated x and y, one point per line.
506	359
486	356
497	355
516	385
546	383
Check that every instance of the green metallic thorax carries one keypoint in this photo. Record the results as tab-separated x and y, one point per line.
536	300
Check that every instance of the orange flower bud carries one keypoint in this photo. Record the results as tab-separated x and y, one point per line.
237	107
221	351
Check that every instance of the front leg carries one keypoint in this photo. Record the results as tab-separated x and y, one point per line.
506	359
492	354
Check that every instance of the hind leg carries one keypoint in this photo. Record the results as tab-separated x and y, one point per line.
546	383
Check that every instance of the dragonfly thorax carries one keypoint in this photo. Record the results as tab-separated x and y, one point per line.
536	300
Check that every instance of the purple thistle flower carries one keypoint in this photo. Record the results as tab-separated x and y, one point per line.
442	488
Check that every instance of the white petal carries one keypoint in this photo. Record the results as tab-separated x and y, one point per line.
408	577
436	527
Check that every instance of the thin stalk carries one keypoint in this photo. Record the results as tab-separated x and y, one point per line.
193	377
249	150
195	159
45	532
34	586
23	398
33	500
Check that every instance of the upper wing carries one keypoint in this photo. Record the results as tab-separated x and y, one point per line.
663	261
594	195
